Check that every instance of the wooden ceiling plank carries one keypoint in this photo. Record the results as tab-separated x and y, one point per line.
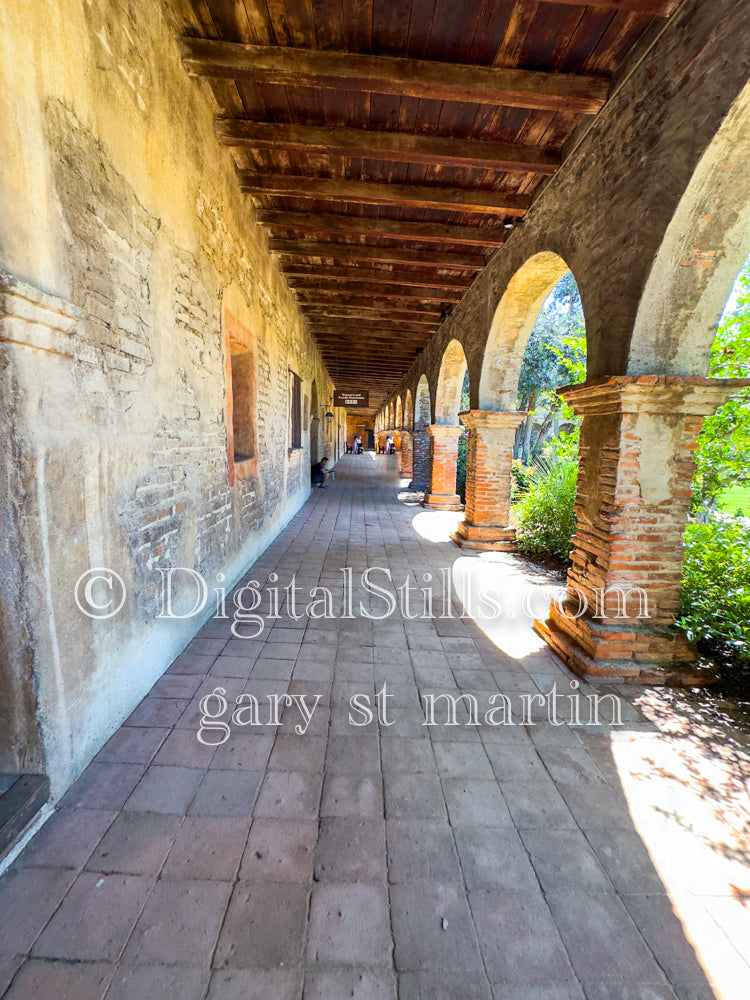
390	146
376	276
368	324
352	289
336	300
378	193
427	232
350	251
298	67
651	8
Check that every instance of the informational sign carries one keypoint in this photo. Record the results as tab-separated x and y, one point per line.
351	399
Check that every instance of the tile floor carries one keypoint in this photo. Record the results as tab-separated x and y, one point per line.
502	862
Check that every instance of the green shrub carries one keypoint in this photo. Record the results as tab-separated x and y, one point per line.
544	511
716	594
521	478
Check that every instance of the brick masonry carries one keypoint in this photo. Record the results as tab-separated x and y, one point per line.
634	495
125	245
489	462
653	292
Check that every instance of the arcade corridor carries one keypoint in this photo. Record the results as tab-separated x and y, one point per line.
493	861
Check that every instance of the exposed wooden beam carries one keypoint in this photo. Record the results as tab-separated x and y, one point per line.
398	341
398	147
652	8
324	306
448	199
354	252
352	289
422	78
376	276
394	229
346	332
343	325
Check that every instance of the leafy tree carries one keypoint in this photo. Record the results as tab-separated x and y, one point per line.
555	356
723	454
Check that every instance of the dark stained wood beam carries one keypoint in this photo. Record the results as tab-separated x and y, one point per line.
436	81
394	229
350	324
396	147
652	8
399	341
354	252
449	199
376	276
342	327
324	305
316	286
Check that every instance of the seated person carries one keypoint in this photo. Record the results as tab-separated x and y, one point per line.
320	473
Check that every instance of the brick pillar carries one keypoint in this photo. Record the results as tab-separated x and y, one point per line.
407	453
443	454
632	504
488	480
420	462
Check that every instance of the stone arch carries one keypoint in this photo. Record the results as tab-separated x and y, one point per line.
511	327
408	410
422	405
399	413
704	248
453	369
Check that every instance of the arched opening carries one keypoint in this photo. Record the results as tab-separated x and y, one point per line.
555	356
545	469
535	338
511	328
638	440
453	370
399	414
408	411
446	431
703	251
422	405
421	441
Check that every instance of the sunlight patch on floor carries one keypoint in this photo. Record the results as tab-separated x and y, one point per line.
437	525
502	601
690	808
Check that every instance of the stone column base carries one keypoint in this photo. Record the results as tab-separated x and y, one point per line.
627	650
485	537
439	501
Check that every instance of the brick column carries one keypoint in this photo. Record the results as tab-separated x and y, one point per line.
407	453
443	454
420	462
632	505
488	480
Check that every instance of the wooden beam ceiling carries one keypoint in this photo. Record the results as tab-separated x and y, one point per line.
382	193
345	151
652	8
394	229
396	293
421	78
356	252
349	324
399	147
378	276
416	312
